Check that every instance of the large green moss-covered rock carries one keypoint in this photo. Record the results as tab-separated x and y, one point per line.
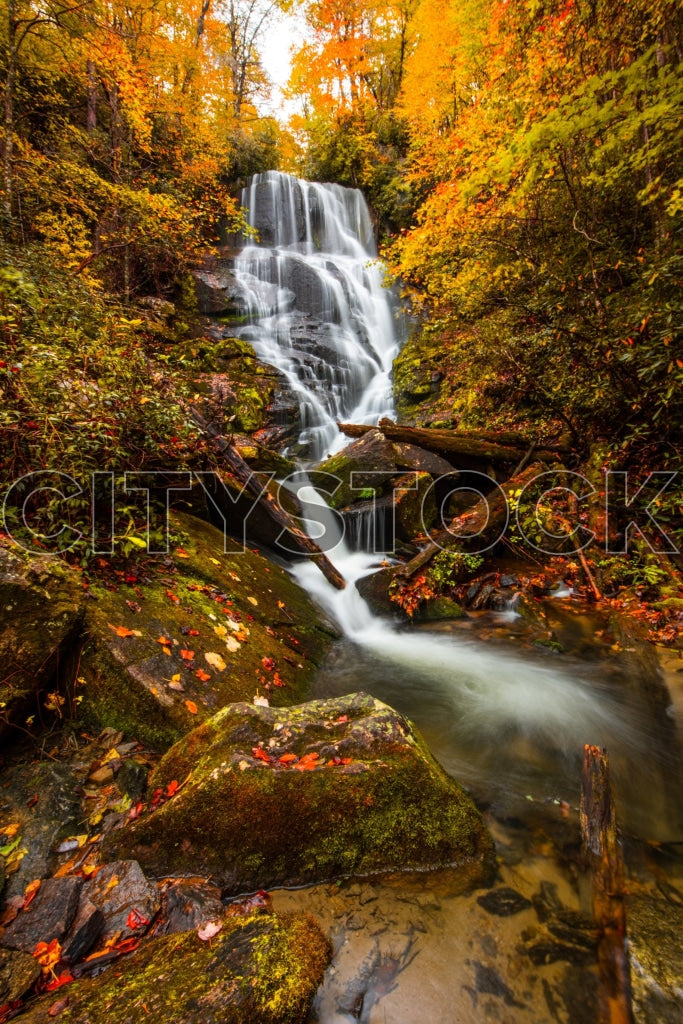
355	467
220	617
41	610
260	969
288	796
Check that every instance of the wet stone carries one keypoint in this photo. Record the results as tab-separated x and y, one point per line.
187	905
548	952
118	889
48	916
18	973
503	902
84	932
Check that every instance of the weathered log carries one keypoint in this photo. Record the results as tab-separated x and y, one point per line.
456	444
267	503
477	528
601	846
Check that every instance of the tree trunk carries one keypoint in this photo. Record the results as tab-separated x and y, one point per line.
8	153
459	446
599	837
91	88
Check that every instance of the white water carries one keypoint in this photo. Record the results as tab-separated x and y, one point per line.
317	303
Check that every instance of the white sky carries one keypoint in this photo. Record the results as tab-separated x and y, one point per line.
284	33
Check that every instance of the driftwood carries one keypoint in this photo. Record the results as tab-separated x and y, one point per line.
457	445
268	505
477	528
601	846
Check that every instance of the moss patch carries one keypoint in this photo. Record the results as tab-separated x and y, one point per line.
228	610
372	799
261	969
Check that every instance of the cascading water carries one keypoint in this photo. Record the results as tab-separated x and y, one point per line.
316	303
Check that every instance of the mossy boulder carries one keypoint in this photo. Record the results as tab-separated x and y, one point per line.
41	611
260	969
188	633
414	507
369	455
439	609
289	796
375	591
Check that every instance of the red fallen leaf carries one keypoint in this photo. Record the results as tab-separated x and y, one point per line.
260	753
268	664
277	679
287	758
173	597
32	801
191	707
130	579
136	920
62	979
57	1007
8	1010
187	655
127	945
339	760
136	811
193	632
201	674
172	788
270	631
342	718
308	762
157	797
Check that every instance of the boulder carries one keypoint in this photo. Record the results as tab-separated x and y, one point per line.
655	924
370	454
192	632
414	507
18	973
188	903
48	916
42	798
290	796
260	969
217	289
126	899
41	610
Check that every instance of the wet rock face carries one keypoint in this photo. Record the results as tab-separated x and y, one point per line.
288	796
41	608
655	926
48	916
18	973
263	969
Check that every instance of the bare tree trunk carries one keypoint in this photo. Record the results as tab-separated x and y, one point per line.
8	153
91	115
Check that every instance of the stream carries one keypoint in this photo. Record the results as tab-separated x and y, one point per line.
507	721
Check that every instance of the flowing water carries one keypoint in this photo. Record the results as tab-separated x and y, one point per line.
317	304
507	722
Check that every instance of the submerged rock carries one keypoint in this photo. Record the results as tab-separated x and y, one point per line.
261	969
202	628
288	796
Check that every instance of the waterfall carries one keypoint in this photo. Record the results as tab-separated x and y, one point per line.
317	305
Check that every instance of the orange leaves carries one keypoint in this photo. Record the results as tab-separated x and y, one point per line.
287	758
202	675
123	631
173	597
308	762
268	664
136	920
260	754
187	655
48	955
191	707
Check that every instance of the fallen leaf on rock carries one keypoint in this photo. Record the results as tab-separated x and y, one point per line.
308	762
30	891
63	978
172	788
220	631
252	600
173	597
288	758
187	655
124	631
136	920
175	683
202	675
191	707
9	831
232	644
48	954
181	553
260	754
215	661
207	931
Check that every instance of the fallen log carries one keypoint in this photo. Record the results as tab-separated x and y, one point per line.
455	444
268	505
477	528
601	846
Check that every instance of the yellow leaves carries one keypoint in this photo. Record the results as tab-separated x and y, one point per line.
48	955
233	644
9	831
252	600
220	631
175	682
215	661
